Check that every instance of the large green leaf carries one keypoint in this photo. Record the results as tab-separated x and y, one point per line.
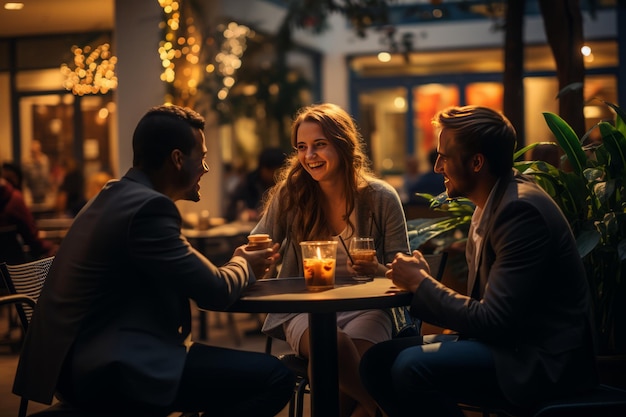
423	230
620	119
621	249
587	241
615	144
517	155
567	139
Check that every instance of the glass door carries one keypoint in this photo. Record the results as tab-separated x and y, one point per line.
65	144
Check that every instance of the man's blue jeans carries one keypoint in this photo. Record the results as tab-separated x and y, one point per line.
428	376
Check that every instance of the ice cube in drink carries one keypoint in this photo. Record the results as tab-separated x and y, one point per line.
319	274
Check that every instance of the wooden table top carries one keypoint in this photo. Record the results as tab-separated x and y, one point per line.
289	295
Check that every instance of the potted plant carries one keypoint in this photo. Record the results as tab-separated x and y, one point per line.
592	194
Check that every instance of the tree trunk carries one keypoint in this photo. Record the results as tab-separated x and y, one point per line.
513	81
562	21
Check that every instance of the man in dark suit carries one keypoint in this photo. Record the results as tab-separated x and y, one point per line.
112	326
524	330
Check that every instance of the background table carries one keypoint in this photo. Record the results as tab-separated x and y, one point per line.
289	295
218	243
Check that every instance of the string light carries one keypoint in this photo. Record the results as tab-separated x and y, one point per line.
180	52
92	72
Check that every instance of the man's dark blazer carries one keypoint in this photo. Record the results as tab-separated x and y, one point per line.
529	296
116	301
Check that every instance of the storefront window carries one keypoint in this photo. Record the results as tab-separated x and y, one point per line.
428	99
485	94
75	133
383	125
540	93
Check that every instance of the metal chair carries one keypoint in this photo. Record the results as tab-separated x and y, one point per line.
25	280
11	250
299	366
28	279
17	300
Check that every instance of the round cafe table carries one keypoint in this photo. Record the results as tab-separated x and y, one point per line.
289	295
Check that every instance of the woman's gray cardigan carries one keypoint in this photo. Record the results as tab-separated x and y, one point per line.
379	214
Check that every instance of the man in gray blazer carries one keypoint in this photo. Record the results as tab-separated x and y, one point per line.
524	329
112	326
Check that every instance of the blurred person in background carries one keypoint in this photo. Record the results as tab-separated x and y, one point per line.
37	173
411	174
20	241
70	197
430	182
247	198
13	173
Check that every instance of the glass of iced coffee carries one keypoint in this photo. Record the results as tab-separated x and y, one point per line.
319	261
362	249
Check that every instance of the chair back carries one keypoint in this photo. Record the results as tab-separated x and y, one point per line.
17	299
26	279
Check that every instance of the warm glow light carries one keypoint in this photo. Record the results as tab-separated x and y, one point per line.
384	57
13	6
387	163
250	90
592	112
229	81
399	102
93	71
585	50
180	52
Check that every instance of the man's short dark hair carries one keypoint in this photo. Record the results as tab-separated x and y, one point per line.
481	130
161	130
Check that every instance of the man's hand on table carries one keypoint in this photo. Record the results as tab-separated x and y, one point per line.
407	272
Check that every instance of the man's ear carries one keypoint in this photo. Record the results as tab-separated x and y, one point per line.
478	161
177	159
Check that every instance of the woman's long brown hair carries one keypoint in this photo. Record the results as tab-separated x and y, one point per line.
300	196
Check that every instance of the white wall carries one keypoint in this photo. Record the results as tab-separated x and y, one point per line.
136	38
6	150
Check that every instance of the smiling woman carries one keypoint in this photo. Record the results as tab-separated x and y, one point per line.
326	192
